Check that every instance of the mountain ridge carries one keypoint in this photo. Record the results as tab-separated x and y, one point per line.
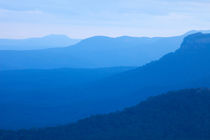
177	70
94	52
196	41
181	115
91	53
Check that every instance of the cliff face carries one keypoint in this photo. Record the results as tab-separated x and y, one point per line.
196	41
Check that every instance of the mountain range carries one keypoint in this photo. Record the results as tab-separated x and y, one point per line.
180	115
50	41
187	67
94	52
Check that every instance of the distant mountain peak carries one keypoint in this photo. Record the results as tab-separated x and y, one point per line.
196	41
196	31
96	38
52	36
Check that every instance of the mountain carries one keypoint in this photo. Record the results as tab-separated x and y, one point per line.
180	115
187	67
197	31
35	88
50	41
94	52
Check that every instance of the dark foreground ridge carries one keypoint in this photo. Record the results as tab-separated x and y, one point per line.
180	115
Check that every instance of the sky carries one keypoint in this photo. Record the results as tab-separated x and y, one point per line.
86	18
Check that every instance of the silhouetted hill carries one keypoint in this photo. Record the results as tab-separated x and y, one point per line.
197	31
180	115
185	68
93	52
50	41
196	42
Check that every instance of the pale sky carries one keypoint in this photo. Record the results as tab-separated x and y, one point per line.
85	18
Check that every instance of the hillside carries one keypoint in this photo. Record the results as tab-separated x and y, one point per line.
179	69
180	115
185	68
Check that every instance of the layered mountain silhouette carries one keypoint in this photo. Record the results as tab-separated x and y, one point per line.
188	67
50	41
180	115
94	52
